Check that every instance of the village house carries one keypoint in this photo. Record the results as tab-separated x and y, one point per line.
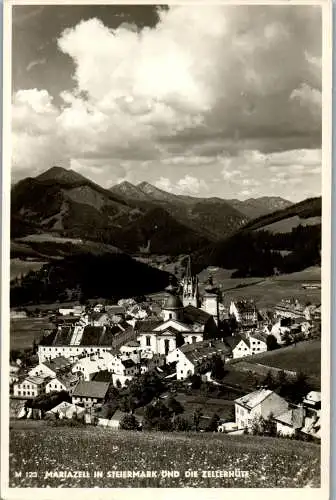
124	370
245	312
66	410
89	393
239	345
50	368
93	363
74	341
289	309
30	387
257	341
262	402
14	373
62	382
192	357
72	311
291	420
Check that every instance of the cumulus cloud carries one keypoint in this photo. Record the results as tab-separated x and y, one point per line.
207	81
186	185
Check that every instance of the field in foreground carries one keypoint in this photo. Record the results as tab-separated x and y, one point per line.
269	462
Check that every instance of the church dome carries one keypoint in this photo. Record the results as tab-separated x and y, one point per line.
173	302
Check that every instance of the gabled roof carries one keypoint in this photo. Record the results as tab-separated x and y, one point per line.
198	351
147	325
35	380
91	389
259	336
57	363
91	335
49	339
253	399
291	418
63	336
193	315
233	341
102	376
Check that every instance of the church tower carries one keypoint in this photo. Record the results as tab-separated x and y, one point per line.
190	290
173	307
211	300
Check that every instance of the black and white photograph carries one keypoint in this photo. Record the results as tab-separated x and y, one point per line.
165	268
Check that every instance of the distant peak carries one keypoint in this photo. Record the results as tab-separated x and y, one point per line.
60	174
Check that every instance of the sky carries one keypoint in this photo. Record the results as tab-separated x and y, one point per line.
203	100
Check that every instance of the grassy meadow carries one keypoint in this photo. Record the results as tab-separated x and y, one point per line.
269	462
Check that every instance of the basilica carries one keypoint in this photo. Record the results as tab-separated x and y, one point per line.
186	318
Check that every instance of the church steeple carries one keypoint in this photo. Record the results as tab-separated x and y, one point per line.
173	307
190	290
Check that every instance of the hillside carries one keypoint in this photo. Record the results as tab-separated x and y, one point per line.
254	250
158	232
256	207
311	208
281	462
88	275
214	218
63	203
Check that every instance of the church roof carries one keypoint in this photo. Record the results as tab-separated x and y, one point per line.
173	302
192	314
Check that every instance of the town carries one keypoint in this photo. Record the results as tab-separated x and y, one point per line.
172	361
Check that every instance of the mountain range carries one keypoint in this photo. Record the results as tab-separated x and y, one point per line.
134	218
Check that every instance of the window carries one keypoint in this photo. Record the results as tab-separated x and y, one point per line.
170	315
24	393
19	393
148	340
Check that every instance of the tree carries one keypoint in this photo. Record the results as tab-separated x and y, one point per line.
269	381
271	343
217	368
213	424
129	423
197	418
182	424
195	381
174	406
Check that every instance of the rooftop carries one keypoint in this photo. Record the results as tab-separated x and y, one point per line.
193	314
92	389
254	398
197	351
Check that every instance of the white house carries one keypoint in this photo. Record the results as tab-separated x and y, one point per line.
240	346
62	383
262	402
30	387
94	363
257	342
189	357
50	368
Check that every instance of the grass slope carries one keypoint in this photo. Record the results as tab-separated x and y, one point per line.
268	462
266	292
